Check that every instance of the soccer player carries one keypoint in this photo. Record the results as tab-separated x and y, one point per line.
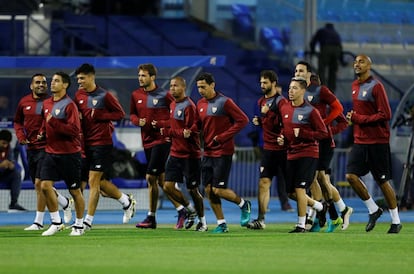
220	120
63	159
302	128
329	107
28	121
370	116
151	103
185	156
98	108
273	162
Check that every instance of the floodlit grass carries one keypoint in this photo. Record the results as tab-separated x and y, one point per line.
125	249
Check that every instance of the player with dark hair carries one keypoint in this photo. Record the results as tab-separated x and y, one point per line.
98	108
302	128
28	121
149	105
220	119
329	107
63	159
273	162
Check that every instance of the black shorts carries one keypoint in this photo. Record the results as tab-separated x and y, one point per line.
179	168
273	163
300	173
375	158
98	158
84	170
35	160
157	157
66	167
326	152
215	171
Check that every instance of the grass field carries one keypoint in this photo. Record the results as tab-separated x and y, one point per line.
125	249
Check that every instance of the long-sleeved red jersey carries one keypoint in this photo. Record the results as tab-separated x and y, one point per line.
220	117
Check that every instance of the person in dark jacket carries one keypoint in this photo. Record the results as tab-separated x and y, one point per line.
330	54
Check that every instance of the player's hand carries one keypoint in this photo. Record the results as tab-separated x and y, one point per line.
280	140
142	122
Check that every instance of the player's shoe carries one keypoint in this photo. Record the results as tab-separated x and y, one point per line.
201	228
245	213
53	229
333	224
129	211
256	224
149	222
77	231
221	228
321	215
190	219
67	211
395	228
315	227
182	216
86	226
373	219
298	230
346	215
34	226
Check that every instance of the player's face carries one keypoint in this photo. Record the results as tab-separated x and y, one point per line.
301	71
177	89
145	79
86	81
361	65
39	86
205	90
295	91
57	85
265	85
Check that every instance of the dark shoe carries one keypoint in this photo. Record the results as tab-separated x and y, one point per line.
16	208
373	219
149	222
256	224
182	216
321	215
190	219
395	228
298	230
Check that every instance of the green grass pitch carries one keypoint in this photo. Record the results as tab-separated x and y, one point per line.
125	249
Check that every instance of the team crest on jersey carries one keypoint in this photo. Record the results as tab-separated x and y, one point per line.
201	109
94	102
354	91
28	107
214	109
300	117
286	116
154	101
179	113
80	101
364	93
139	102
310	98
57	111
